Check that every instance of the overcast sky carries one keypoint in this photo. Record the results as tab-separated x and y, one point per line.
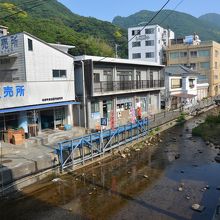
108	9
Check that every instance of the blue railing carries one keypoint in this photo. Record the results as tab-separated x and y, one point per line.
79	150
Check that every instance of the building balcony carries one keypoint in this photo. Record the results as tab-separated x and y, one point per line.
120	86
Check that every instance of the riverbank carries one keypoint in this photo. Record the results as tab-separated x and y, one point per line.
143	184
29	165
210	129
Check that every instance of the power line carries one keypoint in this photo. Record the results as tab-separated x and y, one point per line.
149	21
162	21
24	9
21	4
145	24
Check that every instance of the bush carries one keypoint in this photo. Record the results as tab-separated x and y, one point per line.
181	118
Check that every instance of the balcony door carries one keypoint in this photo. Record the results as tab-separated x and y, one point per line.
125	81
138	80
151	79
109	80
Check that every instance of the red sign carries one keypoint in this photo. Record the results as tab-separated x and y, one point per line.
112	120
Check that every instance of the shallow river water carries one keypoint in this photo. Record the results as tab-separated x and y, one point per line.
144	185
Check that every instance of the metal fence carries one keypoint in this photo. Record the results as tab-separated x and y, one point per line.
79	150
82	149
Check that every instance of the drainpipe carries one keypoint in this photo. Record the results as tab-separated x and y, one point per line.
84	96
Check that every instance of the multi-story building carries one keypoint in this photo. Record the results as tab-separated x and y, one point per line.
183	87
203	57
148	43
36	84
115	88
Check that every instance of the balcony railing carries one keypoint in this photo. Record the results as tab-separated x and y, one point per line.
110	86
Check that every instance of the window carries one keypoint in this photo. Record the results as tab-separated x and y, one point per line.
94	107
193	66
136	55
59	73
216	53
176	83
204	65
191	83
136	32
216	76
30	45
96	77
216	65
193	53
149	31
5	61
150	55
183	54
149	43
158	29
136	44
203	53
174	55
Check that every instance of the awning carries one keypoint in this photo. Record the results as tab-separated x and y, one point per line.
13	55
33	107
184	95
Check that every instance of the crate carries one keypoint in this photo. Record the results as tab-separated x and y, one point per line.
17	139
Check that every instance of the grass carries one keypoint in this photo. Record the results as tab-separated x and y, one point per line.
210	129
182	118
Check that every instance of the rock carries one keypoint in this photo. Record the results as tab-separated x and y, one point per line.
93	174
180	189
207	142
70	209
146	176
76	179
57	180
195	165
182	171
197	207
123	155
129	172
137	149
187	197
207	187
211	145
177	156
218	187
217	159
90	193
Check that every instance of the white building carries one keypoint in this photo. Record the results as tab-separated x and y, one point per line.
36	84
183	87
148	43
115	88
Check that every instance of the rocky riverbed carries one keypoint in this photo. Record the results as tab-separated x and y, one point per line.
158	179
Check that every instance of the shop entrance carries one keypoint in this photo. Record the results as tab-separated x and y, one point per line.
47	119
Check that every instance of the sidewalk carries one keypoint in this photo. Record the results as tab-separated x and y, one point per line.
37	154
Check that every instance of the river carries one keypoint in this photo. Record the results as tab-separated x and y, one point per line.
144	185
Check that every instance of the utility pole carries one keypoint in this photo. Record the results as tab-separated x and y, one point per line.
116	50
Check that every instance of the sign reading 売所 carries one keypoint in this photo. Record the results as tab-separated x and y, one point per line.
12	91
8	44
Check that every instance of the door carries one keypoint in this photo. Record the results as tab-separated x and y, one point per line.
47	119
138	80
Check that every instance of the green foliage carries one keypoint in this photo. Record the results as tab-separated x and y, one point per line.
181	23
212	119
212	18
181	118
53	22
